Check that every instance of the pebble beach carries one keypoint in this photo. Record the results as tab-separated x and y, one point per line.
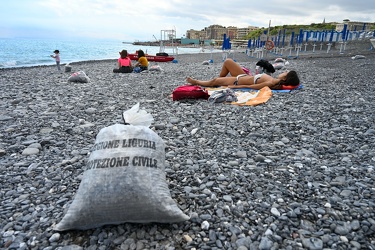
297	172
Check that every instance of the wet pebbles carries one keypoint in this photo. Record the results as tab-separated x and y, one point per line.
294	173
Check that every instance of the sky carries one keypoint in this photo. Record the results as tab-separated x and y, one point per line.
141	20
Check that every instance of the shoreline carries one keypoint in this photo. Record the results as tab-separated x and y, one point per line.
353	48
240	57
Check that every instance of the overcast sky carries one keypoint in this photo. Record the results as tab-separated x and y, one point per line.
127	20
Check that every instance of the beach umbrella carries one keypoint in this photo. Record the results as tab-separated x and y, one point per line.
278	38
307	35
292	39
300	36
344	31
223	47
331	37
347	34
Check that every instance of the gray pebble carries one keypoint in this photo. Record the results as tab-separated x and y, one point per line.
30	151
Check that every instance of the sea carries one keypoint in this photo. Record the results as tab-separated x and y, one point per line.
27	52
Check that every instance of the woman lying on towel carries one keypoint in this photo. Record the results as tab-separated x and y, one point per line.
238	79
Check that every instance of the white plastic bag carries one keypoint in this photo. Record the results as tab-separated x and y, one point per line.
137	117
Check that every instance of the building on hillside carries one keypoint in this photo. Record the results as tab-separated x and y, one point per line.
195	34
232	32
354	26
215	31
243	32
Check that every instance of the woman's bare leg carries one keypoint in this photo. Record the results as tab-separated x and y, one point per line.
230	66
219	81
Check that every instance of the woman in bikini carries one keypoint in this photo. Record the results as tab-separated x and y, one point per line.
238	78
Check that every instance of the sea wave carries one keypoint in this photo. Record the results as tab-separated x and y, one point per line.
27	63
6	64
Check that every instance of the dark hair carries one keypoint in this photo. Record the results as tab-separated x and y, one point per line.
141	53
56	51
124	54
290	80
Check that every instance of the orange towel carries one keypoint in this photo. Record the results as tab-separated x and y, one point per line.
263	96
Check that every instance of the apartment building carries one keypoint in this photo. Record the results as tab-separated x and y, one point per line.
216	32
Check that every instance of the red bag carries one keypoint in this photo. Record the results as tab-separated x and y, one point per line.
189	92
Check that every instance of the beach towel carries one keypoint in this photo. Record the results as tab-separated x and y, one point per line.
285	90
253	98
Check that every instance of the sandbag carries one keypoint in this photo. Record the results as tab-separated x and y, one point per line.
79	76
279	63
125	181
155	68
68	68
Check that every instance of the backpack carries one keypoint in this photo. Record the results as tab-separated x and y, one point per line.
189	92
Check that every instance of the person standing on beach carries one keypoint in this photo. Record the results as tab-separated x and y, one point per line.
124	63
142	61
57	58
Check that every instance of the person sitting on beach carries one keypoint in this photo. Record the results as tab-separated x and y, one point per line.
124	63
239	79
142	61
